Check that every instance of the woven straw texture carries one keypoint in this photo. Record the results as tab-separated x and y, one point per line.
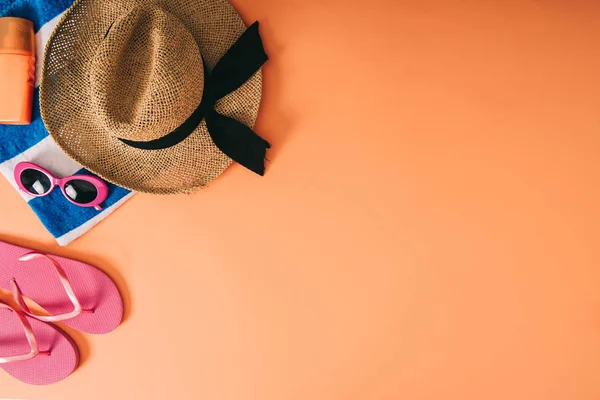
133	69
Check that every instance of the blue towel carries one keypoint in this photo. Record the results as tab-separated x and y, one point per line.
64	220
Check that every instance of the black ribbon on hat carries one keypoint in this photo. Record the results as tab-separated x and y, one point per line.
232	137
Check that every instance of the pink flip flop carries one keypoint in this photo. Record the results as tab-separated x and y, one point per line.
32	351
72	292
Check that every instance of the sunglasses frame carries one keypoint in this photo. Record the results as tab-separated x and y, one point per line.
100	186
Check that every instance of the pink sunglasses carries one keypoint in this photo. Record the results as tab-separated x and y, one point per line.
81	190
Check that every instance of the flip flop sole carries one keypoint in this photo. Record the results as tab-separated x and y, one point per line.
43	369
38	280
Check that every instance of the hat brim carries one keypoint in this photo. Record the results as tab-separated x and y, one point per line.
70	120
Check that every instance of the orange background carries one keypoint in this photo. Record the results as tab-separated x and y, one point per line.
428	227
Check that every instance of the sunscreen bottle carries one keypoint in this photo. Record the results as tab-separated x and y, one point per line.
17	70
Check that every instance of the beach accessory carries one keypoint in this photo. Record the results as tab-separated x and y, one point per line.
33	351
33	143
77	294
81	190
17	70
157	97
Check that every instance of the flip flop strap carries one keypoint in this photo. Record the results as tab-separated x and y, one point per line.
33	343
62	275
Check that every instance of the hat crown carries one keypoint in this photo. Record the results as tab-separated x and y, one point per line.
147	75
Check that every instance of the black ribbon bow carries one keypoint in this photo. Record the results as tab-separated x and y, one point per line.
232	137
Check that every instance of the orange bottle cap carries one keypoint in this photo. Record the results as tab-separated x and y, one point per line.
16	36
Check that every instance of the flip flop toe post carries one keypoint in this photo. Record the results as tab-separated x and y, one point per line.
72	292
33	351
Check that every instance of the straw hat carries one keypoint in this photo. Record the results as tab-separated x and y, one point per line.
156	96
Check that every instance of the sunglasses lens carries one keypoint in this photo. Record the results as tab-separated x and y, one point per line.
80	191
35	182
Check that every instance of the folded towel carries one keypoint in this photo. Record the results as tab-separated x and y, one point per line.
64	220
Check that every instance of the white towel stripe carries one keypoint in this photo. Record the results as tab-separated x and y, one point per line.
41	38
